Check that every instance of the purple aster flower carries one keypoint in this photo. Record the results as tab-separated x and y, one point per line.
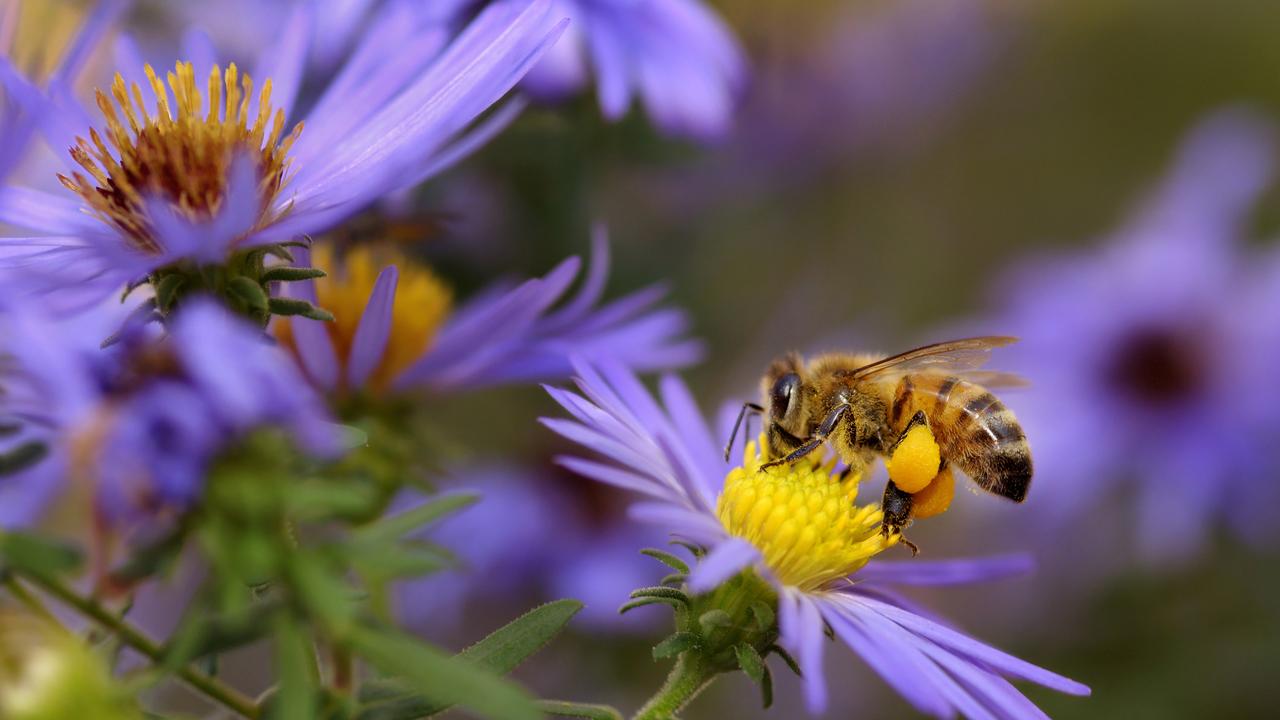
800	530
677	56
142	421
397	112
1153	354
394	328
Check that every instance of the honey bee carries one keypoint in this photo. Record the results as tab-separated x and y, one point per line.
866	406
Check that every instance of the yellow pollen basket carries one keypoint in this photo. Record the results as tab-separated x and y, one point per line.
183	153
803	518
422	304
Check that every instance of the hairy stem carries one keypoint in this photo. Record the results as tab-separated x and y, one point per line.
689	677
211	687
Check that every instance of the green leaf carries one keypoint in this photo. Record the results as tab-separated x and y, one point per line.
324	500
697	550
295	696
202	634
38	556
500	652
674	644
641	602
22	457
750	662
290	306
285	273
381	562
444	679
666	558
324	593
578	710
151	559
250	292
712	619
397	526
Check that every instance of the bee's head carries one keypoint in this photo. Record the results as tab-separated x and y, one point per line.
783	388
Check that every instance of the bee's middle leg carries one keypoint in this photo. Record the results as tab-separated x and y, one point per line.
815	441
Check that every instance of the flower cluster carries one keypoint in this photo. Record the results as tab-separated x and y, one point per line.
210	370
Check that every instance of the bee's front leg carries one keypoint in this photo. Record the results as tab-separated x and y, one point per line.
815	441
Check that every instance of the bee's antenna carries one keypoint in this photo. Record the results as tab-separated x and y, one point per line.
746	407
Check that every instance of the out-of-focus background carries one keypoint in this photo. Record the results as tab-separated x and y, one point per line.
901	172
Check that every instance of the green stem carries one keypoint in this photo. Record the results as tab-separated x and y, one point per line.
689	677
134	638
29	601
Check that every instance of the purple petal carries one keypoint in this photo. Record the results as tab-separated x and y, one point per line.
946	572
723	562
371	336
800	625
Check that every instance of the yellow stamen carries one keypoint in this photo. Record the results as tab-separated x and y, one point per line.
422	303
803	518
183	157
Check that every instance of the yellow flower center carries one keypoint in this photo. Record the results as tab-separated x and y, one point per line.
422	303
182	154
803	518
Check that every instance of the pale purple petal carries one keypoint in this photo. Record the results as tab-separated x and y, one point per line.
946	572
723	562
371	336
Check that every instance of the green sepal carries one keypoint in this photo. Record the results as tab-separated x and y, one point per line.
167	291
786	658
666	558
674	579
750	662
641	602
697	550
766	688
674	644
278	250
250	293
202	635
288	273
659	591
764	614
295	697
579	710
22	457
37	556
712	619
290	306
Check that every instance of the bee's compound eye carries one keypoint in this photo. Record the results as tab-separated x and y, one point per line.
784	391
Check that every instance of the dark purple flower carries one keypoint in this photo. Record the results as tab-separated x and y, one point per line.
800	531
1152	356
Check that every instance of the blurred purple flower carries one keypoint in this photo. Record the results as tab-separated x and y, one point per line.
668	455
1153	356
397	112
526	540
504	335
143	420
677	56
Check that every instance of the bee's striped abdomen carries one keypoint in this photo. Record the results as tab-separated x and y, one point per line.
974	429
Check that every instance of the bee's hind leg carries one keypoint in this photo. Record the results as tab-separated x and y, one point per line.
815	441
896	506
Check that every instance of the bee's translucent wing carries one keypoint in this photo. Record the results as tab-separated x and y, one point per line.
961	357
